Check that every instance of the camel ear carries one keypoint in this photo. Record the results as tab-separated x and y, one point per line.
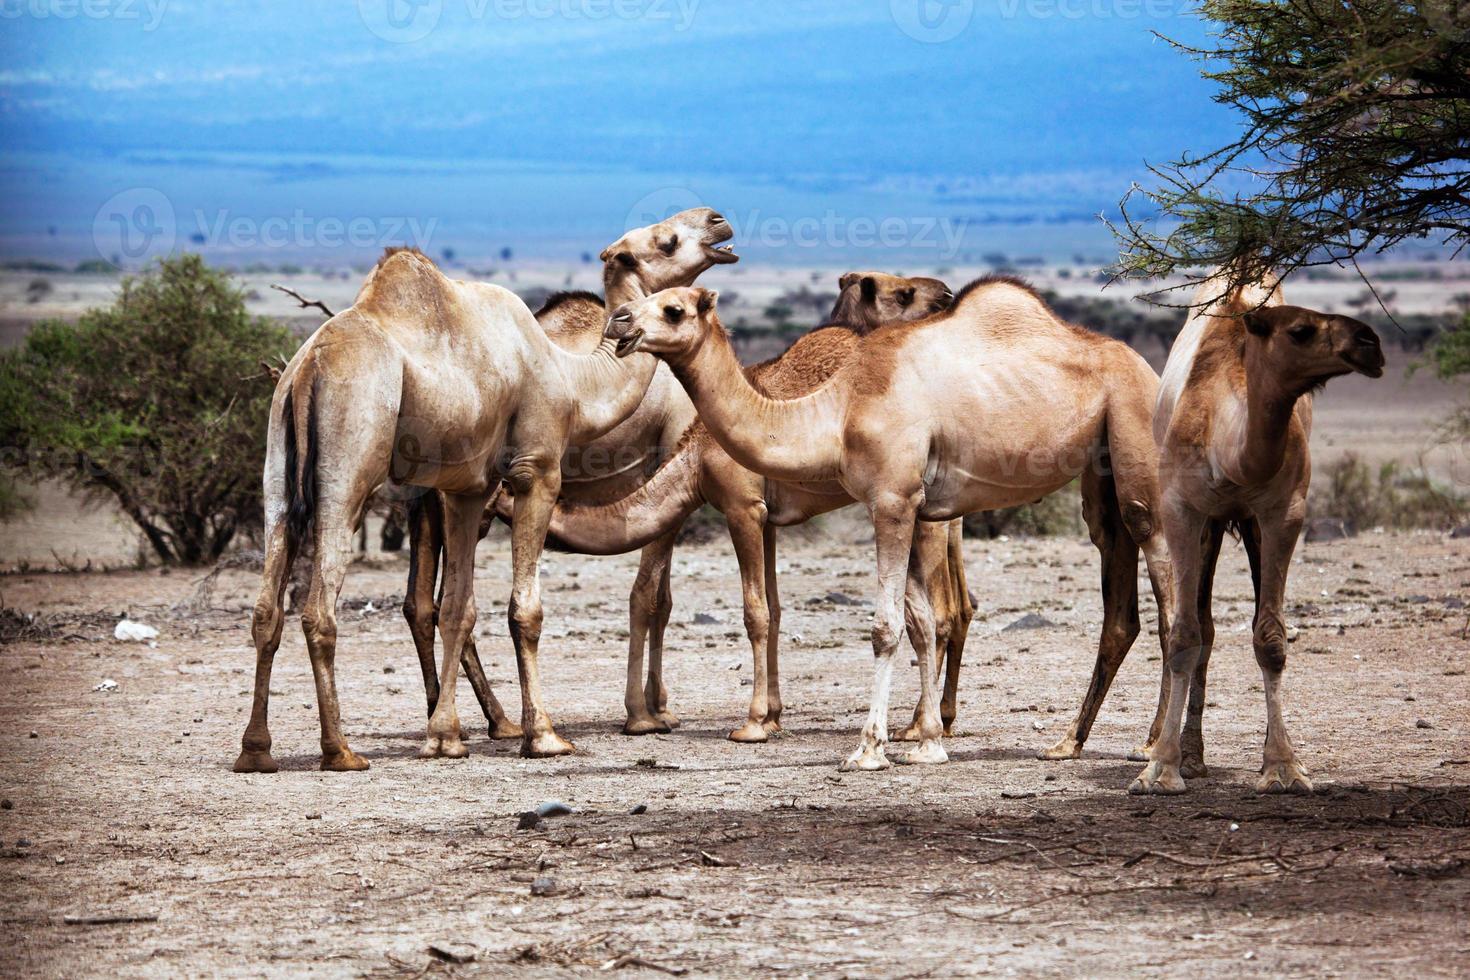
847	280
870	289
706	301
1258	323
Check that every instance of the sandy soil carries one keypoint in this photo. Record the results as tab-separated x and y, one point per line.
748	859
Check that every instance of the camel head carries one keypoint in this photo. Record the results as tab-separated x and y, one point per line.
673	322
868	300
1305	346
671	253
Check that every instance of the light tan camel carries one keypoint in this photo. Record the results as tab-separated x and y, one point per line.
700	472
1233	420
992	403
426	382
670	253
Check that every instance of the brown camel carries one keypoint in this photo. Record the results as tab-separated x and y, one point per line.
670	253
992	403
1233	419
435	383
700	472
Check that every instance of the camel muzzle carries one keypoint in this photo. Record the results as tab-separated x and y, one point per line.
629	344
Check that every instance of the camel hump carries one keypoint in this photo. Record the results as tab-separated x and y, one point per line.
405	282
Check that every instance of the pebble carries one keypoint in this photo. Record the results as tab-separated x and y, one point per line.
6	805
543	886
1422	723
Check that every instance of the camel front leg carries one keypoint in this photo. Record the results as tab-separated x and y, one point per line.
747	535
656	693
931	557
774	705
456	619
1192	741
1161	578
265	630
1183	530
893	531
1281	771
643	601
919	617
535	497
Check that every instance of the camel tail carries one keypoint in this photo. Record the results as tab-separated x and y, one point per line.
300	461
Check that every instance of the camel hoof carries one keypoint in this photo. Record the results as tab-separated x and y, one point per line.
930	752
909	734
504	728
1144	753
1284	777
256	762
772	726
344	761
1193	767
545	746
668	720
750	732
1159	780
448	747
866	760
644	725
1067	748
949	729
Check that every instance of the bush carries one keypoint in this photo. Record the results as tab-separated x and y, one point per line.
1058	513
159	400
1393	497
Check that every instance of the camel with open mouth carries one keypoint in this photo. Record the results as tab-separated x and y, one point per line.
669	253
991	403
1233	420
444	385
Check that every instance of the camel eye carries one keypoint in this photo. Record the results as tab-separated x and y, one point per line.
1302	332
669	246
673	314
905	296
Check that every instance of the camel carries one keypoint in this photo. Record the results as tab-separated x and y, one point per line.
991	403
451	386
1234	416
700	472
670	253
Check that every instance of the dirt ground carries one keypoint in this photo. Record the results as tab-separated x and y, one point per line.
688	853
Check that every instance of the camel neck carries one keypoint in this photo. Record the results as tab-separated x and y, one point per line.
1270	407
656	507
799	439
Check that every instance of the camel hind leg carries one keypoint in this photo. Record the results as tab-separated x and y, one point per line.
1120	601
962	614
931	558
643	602
265	630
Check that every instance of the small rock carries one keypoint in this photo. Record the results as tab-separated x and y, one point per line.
35	734
1463	531
1417	600
542	887
107	686
1454	602
1423	723
313	816
636	811
704	619
6	805
1030	621
453	952
528	821
843	599
390	669
553	808
131	632
23	842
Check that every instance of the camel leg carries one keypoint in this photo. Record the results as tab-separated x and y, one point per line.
501	727
643	601
1161	577
746	533
535	498
456	620
1192	742
1183	529
1281	771
772	724
420	608
931	555
919	619
655	693
1120	604
963	612
334	548
893	531
265	630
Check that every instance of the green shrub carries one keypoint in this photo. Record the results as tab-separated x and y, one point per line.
159	400
1056	514
1352	492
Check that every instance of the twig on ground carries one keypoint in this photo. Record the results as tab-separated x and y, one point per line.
105	919
631	959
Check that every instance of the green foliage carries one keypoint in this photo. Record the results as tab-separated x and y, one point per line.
158	400
1355	136
1392	497
1451	351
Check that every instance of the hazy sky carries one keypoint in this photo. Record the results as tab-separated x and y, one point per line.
521	117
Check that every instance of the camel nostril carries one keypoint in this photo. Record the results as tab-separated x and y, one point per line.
1366	337
717	219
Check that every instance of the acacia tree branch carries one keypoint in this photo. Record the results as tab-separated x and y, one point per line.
302	301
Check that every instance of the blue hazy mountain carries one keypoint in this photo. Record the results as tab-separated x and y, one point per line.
549	125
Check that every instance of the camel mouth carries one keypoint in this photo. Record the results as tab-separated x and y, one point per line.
721	254
629	344
1369	362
